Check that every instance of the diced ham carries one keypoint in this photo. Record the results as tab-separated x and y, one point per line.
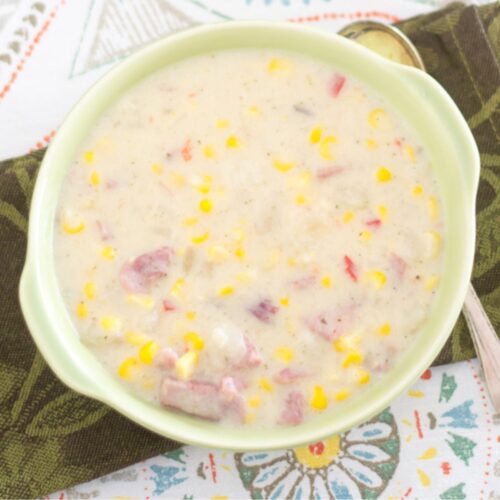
264	310
104	230
168	357
304	282
374	222
251	357
139	274
196	398
327	172
336	84
350	268
289	375
323	326
203	399
293	412
398	265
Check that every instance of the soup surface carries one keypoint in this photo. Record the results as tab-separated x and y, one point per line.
249	236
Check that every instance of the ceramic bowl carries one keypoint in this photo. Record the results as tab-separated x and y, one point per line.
426	106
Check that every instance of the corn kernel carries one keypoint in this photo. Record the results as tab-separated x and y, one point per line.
148	352
238	234
300	200
284	301
73	228
94	179
365	235
157	168
284	354
324	148
341	395
89	290
186	364
385	329
136	338
110	323
200	239
371	143
346	343
206	206
375	116
190	315
431	283
315	135
417	190
249	418
222	123
382	212
177	287
145	301
149	384
278	65
127	368
254	401
384	174
432	244
291	262
245	277
81	310
282	166
319	400
433	207
226	290
209	151
326	281
178	180
376	278
348	216
190	221
218	253
353	357
363	377
239	252
108	252
266	385
195	341
411	153
232	142
254	110
88	156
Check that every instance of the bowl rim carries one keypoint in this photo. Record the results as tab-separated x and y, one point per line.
40	312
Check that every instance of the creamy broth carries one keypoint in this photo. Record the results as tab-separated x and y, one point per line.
249	236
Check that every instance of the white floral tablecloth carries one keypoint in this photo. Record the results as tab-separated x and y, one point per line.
438	440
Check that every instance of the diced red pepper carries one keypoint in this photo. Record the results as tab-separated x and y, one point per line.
336	84
168	306
350	268
327	172
186	151
374	222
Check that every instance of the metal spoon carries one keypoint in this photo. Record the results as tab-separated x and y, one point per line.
392	44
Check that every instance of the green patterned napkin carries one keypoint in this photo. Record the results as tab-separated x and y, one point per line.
51	437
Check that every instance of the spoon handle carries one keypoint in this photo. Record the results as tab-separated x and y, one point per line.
486	343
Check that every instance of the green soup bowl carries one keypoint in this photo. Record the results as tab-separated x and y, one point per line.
425	105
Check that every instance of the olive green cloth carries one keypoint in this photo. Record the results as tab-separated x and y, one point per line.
51	437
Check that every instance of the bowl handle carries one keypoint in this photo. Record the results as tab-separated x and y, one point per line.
68	369
431	92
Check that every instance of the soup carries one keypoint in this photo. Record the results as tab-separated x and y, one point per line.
249	236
